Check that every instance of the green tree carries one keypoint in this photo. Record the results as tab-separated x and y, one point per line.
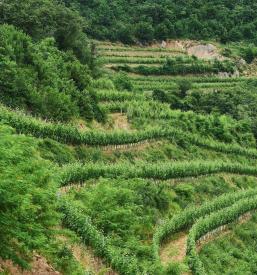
144	32
184	85
123	82
38	77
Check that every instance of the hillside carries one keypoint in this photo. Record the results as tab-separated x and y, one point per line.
126	159
144	21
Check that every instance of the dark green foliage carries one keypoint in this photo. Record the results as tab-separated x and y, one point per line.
55	151
160	95
144	32
184	86
43	80
123	82
238	102
144	21
249	53
48	18
185	193
178	68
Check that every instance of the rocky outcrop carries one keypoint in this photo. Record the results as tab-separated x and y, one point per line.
208	51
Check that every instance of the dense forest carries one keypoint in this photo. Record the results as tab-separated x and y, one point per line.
46	61
144	21
121	156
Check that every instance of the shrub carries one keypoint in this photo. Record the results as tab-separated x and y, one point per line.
104	84
184	85
42	79
123	82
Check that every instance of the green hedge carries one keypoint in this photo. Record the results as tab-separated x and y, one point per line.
197	67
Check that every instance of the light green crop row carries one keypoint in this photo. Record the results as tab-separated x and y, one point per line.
108	95
80	223
160	171
205	225
188	217
198	79
150	86
139	49
71	135
132	60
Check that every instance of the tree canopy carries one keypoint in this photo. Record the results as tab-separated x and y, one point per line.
146	20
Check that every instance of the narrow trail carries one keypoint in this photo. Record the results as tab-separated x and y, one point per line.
174	250
85	256
120	121
88	260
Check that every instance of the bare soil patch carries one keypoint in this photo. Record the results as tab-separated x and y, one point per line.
208	51
174	250
120	121
87	259
39	267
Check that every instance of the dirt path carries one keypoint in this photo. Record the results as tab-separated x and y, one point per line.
120	121
174	250
85	256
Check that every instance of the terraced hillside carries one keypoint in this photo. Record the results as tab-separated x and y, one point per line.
207	175
153	189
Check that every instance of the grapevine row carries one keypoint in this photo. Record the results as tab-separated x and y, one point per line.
203	226
80	223
107	95
132	60
144	60
187	218
202	79
172	85
138	49
136	54
161	171
69	134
